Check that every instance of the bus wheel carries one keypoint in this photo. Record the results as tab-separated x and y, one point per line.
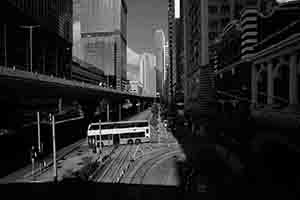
137	141
130	142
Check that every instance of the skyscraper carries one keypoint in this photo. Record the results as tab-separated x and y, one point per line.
77	50
165	77
147	73
159	42
172	53
166	59
104	37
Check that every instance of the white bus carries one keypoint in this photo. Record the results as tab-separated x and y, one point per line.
114	133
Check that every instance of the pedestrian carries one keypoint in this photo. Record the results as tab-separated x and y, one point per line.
33	156
41	157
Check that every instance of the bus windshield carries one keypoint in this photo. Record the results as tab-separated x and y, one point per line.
94	127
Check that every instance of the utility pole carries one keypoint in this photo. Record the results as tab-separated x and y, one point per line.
100	139
54	149
30	31
39	131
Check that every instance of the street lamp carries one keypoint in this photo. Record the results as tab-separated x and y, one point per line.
30	30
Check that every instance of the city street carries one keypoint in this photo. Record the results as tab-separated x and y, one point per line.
70	160
147	163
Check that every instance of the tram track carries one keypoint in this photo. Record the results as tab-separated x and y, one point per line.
141	174
111	172
143	167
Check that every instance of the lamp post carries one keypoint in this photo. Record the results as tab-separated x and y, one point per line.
30	31
52	118
100	140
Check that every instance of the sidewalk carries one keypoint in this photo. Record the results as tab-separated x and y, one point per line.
27	171
67	164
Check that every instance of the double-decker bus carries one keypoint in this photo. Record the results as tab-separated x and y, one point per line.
123	132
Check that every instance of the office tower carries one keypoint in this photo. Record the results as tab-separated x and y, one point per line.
172	53
159	42
104	37
148	74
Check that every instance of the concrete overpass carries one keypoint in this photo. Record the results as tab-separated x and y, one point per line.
23	87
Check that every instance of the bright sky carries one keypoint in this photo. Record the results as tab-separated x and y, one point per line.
177	8
282	1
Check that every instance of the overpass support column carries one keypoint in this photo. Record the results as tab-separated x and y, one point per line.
293	90
139	106
107	112
142	106
120	111
60	105
270	83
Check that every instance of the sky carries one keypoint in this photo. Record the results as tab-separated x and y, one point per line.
143	16
282	1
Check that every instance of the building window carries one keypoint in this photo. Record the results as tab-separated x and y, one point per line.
212	9
225	10
213	25
212	35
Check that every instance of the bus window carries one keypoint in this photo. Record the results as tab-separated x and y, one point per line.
124	135
138	134
106	137
124	125
141	124
107	126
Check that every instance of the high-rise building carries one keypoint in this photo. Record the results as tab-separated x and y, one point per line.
159	42
179	94
172	53
104	37
77	48
136	87
148	74
204	21
165	77
166	59
197	74
51	37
